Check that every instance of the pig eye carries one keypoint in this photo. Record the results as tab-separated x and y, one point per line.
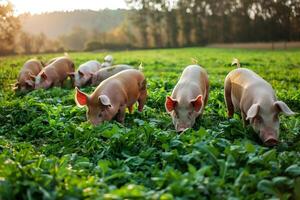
100	115
258	119
175	114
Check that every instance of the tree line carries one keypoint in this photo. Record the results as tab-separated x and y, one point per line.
161	24
169	23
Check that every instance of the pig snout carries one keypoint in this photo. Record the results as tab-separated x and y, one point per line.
269	138
95	122
182	127
270	142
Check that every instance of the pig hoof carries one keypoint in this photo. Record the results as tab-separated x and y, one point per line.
181	130
271	142
229	115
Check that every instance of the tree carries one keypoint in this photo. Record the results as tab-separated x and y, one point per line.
171	24
9	26
139	18
185	21
75	40
26	43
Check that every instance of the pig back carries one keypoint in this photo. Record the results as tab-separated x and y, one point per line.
110	71
244	81
60	68
33	66
90	66
128	83
193	82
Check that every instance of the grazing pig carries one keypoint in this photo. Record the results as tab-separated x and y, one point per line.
247	92
108	61
84	74
55	73
188	98
29	70
113	96
107	72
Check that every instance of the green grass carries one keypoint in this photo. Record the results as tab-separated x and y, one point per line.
49	151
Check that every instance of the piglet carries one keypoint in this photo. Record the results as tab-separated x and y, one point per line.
188	98
113	96
83	76
108	61
55	73
27	74
107	72
247	92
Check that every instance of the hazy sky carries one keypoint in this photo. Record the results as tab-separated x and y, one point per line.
38	6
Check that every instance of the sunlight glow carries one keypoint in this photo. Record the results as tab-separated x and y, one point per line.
40	6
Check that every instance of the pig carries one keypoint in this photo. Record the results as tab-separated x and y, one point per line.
30	69
55	73
108	61
83	76
247	92
113	96
188	98
107	72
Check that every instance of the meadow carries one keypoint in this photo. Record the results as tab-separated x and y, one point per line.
49	151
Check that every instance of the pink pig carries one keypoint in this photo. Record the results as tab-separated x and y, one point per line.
84	74
113	96
247	92
29	70
107	72
55	73
188	98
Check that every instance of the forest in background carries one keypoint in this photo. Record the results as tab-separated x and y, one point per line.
151	24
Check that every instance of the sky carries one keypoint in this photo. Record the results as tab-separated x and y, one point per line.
40	6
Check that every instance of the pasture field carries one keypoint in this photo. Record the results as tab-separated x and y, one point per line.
49	151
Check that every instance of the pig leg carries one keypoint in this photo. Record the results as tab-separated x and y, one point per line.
228	100
142	100
121	114
130	108
244	116
72	81
57	84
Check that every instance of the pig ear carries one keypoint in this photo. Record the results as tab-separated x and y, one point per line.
104	100
44	76
197	103
80	98
15	86
71	74
253	111
91	74
283	108
32	77
29	83
80	73
170	104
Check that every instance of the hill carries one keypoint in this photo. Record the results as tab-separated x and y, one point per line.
57	23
